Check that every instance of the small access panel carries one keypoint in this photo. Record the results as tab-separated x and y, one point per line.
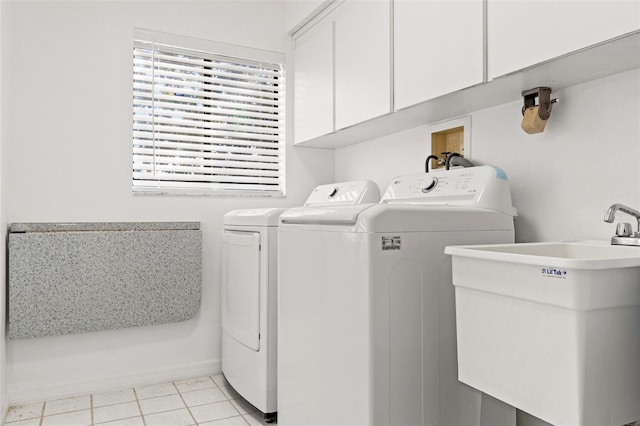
444	142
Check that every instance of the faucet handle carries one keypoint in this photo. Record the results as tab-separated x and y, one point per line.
623	229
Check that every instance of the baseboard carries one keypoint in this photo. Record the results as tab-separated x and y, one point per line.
106	384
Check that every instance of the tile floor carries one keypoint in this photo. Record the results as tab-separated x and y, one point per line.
206	401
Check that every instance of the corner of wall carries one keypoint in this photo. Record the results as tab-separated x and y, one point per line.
4	403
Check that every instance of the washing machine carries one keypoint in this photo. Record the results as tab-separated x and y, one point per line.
366	315
249	273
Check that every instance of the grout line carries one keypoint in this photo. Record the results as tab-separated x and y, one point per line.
185	403
44	405
227	399
214	381
115	403
236	408
230	417
144	421
243	415
91	407
116	420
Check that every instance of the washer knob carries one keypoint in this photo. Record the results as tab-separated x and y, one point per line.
333	192
623	229
430	185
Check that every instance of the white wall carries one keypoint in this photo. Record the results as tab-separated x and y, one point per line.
297	11
384	158
3	224
67	147
562	180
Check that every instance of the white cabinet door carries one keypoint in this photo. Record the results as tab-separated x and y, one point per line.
362	61
438	48
526	32
313	83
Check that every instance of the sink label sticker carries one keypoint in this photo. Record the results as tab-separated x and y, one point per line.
391	243
554	273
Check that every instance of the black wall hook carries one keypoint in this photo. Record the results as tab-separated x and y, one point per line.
545	103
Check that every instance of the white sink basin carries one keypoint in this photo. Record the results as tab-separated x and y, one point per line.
552	328
578	254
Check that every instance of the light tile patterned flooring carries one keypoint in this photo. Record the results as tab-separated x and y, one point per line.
206	401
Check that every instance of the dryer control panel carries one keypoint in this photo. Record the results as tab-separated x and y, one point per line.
344	194
482	186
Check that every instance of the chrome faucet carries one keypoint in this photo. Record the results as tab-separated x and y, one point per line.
624	232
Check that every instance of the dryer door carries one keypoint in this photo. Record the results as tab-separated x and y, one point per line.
241	287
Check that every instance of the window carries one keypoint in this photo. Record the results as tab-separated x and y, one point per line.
207	117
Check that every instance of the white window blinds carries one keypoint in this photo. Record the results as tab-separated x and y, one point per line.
204	122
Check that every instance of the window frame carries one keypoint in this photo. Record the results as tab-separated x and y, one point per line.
214	51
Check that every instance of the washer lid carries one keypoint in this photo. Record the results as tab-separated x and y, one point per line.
326	215
344	194
254	217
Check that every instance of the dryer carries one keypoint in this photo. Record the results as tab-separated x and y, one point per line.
249	273
249	290
366	304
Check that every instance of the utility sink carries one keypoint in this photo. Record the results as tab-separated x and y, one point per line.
552	328
574	254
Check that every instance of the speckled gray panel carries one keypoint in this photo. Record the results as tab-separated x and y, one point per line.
75	282
103	226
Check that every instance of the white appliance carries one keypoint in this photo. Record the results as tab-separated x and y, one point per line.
249	276
366	305
552	328
249	291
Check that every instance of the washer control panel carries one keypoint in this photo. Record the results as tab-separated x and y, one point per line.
453	184
482	186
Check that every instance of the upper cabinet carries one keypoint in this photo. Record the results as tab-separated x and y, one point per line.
438	48
362	61
313	83
342	69
365	69
527	32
